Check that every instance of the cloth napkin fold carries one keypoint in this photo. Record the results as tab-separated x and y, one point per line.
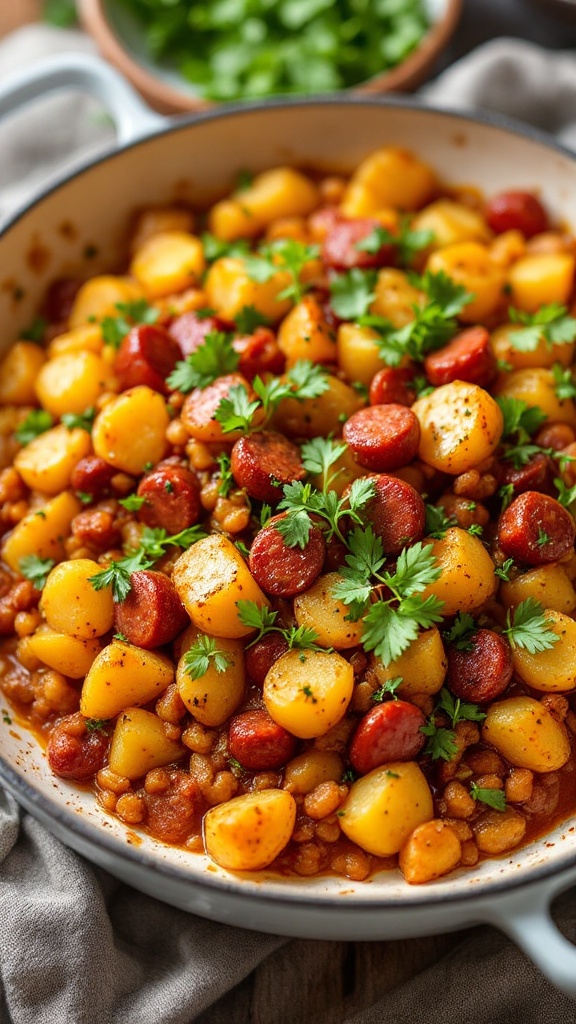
79	947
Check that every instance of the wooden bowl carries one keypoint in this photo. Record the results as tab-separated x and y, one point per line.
118	38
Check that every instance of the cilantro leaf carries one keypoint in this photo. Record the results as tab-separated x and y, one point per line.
130	314
96	724
564	383
352	293
36	569
286	254
528	628
256	616
80	421
204	652
437	522
520	418
406	241
441	741
458	711
388	689
132	503
227	482
117	574
462	632
389	631
304	380
214	248
503	571
566	495
550	322
37	422
236	412
249	318
319	455
492	797
416	568
214	358
264	620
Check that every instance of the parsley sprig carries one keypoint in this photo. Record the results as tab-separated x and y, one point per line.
263	619
492	797
153	545
462	632
202	653
550	322
433	325
528	628
238	411
37	422
564	382
215	357
215	248
442	741
319	455
302	502
130	314
407	242
352	293
521	421
36	569
285	254
80	421
388	689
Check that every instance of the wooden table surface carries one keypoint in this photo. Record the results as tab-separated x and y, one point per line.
326	982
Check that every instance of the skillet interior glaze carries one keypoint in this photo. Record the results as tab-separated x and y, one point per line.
79	227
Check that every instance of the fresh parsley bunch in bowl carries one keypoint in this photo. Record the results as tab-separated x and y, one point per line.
183	54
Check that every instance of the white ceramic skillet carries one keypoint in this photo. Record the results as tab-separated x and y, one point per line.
198	159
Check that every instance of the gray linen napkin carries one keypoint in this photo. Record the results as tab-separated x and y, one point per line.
78	947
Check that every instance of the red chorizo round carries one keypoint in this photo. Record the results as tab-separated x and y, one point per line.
536	475
172	498
259	353
536	529
152	614
469	357
189	331
198	413
93	476
393	385
389	732
147	356
480	671
74	751
96	527
285	571
516	211
383	437
260	656
258	742
264	462
340	249
396	513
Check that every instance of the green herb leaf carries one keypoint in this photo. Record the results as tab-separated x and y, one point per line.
96	724
457	710
204	652
117	575
35	331
566	495
441	741
503	571
406	242
80	421
227	482
550	322
492	797
528	628
215	248
352	293
437	522
132	503
462	632
319	455
130	314
36	569
249	318
214	358
564	383
37	422
388	689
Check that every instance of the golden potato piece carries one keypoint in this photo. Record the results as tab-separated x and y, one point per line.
526	734
70	603
130	432
123	675
248	832
460	426
384	807
140	744
308	692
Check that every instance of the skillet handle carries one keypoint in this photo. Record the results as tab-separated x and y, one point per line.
133	119
524	915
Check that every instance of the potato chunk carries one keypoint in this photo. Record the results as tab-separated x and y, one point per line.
18	371
467	577
536	386
308	692
213	697
73	382
390	176
248	832
460	426
70	655
168	262
422	666
319	610
123	675
306	334
553	670
70	603
550	585
526	734
210	577
540	278
99	297
384	807
130	432
42	532
279	192
46	463
140	743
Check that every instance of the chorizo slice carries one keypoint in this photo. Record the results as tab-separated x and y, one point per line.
74	751
469	356
283	571
152	614
172	498
146	356
481	671
92	475
259	353
264	462
259	657
389	732
189	331
198	413
537	475
397	513
258	742
392	384
340	246
536	529
383	437
516	211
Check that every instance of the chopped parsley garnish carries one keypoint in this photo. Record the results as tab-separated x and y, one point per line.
286	254
130	314
35	331
214	358
84	497
36	569
564	383
236	412
96	724
133	502
462	632
528	628
80	421
248	319
302	501
406	241
37	422
520	419
442	741
204	652
503	571
353	293
264	620
153	545
550	322
566	495
215	248
227	482
388	689
492	797
437	522
319	455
